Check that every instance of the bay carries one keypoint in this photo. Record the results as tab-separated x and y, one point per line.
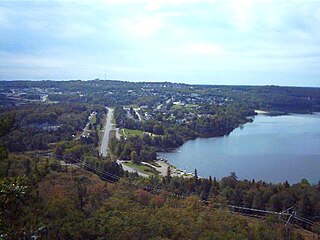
272	149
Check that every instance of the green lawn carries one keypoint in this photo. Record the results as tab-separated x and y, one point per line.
132	105
177	107
142	168
93	119
192	105
187	106
130	133
155	164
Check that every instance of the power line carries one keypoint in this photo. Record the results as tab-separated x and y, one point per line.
116	178
100	171
304	220
288	221
259	210
92	167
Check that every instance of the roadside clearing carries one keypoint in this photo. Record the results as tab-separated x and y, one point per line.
159	167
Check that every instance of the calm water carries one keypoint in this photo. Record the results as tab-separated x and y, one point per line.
273	149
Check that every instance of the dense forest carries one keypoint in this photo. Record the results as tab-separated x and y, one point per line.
42	198
54	184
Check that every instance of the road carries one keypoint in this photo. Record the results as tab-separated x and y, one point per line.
118	135
138	114
86	130
131	170
106	134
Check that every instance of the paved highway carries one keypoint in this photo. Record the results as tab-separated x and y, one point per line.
106	134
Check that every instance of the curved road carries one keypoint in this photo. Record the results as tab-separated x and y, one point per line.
106	134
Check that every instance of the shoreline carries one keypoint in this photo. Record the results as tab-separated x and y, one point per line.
270	113
163	164
175	171
257	111
260	112
275	113
159	165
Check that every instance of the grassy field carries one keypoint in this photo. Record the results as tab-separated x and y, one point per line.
155	164
187	106
142	168
132	105
93	119
177	107
192	105
130	133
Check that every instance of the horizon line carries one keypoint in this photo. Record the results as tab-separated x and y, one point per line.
157	81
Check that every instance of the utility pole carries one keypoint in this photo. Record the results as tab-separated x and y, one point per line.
288	221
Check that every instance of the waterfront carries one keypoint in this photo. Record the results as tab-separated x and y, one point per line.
273	149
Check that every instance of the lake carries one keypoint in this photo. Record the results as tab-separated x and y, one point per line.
273	149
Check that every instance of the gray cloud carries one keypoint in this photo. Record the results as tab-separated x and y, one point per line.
184	40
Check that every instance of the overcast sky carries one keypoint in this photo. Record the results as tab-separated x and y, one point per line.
256	42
